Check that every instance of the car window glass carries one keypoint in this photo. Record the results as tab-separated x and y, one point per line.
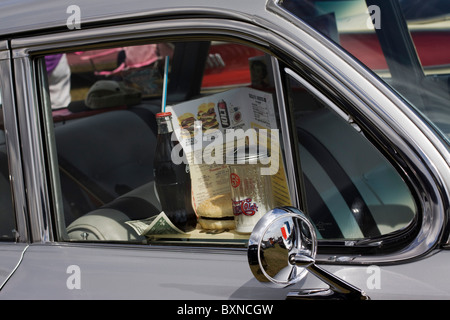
7	217
406	42
104	105
352	191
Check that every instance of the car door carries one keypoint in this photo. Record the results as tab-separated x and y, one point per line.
341	148
90	165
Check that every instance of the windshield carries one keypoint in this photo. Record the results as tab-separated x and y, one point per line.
412	57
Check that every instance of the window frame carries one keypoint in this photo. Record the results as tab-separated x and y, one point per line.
398	246
50	148
138	33
14	155
363	104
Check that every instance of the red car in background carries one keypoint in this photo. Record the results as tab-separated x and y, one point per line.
228	63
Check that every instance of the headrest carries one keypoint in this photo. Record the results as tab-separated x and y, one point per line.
109	93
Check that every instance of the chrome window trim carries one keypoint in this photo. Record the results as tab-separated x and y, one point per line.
4	47
292	179
22	47
22	52
13	143
428	230
318	94
55	184
378	104
32	151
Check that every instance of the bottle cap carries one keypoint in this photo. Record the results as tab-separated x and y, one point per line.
163	114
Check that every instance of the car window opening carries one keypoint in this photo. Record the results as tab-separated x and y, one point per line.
223	113
107	135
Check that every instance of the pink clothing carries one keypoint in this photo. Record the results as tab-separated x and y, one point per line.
139	56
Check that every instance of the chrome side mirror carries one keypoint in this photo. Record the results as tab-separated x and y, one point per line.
282	249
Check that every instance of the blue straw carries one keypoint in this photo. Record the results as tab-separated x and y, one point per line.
166	72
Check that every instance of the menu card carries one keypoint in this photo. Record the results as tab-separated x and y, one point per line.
210	127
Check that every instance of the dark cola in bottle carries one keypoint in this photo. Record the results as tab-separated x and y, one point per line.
172	181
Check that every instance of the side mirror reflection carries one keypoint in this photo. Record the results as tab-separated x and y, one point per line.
277	237
282	249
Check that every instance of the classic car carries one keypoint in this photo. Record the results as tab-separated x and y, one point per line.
352	99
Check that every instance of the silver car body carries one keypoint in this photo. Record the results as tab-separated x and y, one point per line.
39	266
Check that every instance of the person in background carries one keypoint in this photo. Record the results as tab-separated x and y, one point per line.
58	72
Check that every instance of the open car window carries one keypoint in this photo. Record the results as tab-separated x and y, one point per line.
104	112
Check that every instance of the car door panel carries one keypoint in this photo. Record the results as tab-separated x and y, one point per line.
10	258
105	272
407	281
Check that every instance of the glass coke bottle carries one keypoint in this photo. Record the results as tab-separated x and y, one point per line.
172	181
